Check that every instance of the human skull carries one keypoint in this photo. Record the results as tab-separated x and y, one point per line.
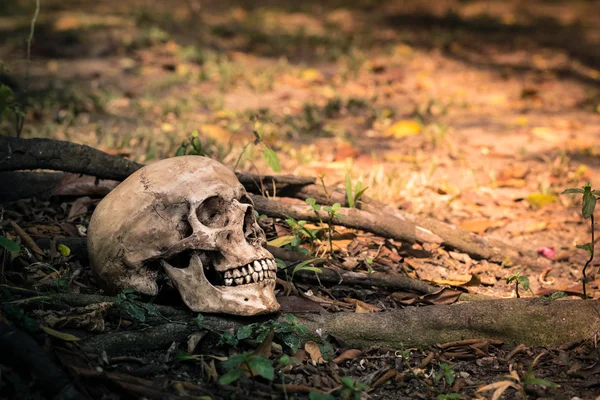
191	217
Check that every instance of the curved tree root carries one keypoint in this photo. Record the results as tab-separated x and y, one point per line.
19	154
532	322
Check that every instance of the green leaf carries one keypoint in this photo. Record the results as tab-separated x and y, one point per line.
136	312
197	144
245	332
199	321
272	159
572	190
335	207
262	366
9	245
587	247
589	203
228	338
543	382
181	355
230	377
523	281
320	396
292	341
348	381
180	151
285	360
5	94
309	268
359	193
281	241
235	360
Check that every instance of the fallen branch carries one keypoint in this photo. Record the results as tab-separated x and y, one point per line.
510	321
532	322
451	236
16	154
19	154
352	218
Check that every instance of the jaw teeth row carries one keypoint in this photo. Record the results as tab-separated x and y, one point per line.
254	272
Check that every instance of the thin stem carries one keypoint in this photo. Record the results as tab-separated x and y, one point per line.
590	259
20	119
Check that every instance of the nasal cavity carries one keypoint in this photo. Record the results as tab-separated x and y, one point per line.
249	219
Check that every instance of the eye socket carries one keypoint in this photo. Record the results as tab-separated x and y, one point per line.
245	199
212	212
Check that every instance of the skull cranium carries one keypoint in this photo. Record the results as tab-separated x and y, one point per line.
192	217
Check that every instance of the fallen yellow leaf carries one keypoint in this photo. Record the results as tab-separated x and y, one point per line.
311	75
281	241
404	128
539	200
217	133
67	337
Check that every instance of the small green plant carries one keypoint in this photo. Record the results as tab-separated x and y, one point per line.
193	147
588	205
245	363
268	154
556	295
516	383
288	332
449	396
9	245
332	212
320	396
10	106
519	280
446	373
351	389
135	310
300	233
353	195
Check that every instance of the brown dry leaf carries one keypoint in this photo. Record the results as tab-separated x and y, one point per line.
341	244
347	355
265	347
481	225
443	296
77	185
458	280
516	171
90	317
210	370
79	208
315	353
361	306
448	188
511	183
391	373
536	227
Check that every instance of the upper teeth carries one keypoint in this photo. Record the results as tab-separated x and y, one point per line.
254	272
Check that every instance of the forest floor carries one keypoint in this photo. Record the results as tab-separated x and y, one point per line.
474	113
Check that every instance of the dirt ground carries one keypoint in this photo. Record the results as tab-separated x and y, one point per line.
474	113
